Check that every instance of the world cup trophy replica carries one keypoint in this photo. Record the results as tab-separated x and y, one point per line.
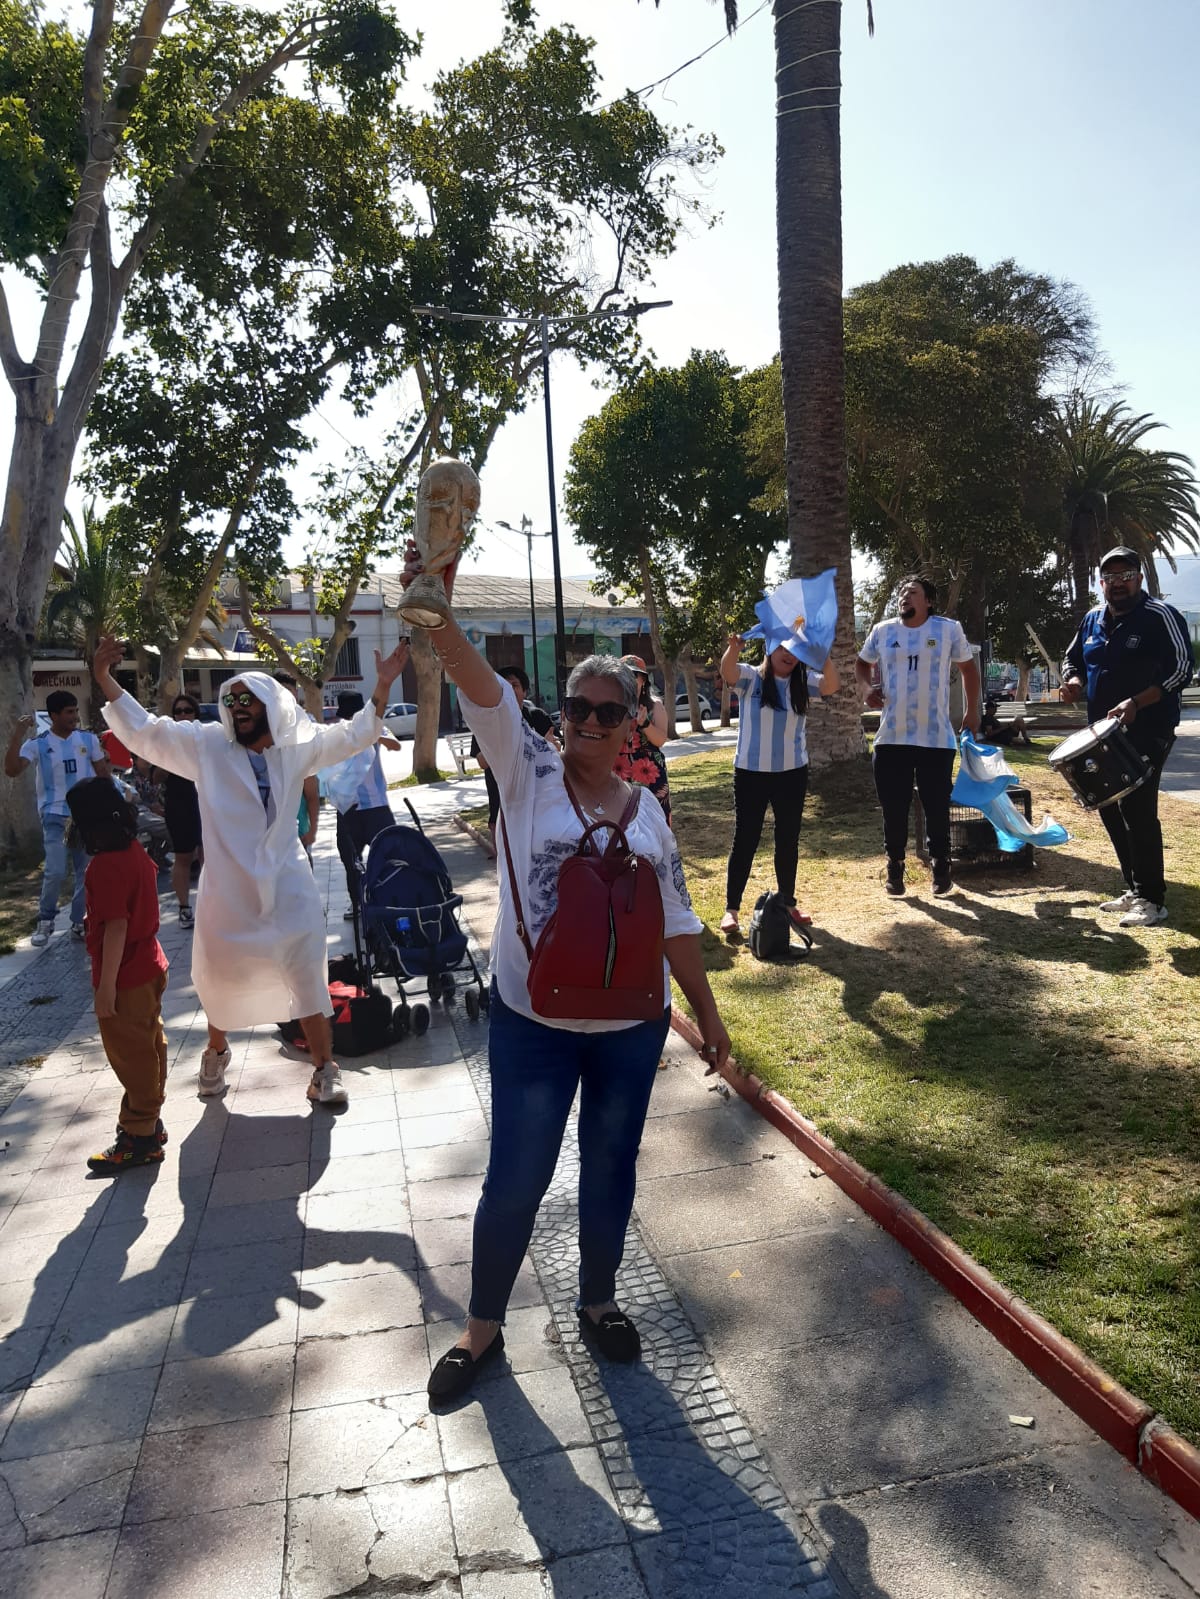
447	502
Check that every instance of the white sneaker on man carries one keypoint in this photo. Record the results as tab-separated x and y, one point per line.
1124	902
1143	913
327	1087
42	934
214	1063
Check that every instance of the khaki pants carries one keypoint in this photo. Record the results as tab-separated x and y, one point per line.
136	1047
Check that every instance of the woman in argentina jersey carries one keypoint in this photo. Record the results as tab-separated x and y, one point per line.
770	767
915	742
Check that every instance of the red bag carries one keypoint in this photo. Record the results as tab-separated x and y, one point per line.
600	956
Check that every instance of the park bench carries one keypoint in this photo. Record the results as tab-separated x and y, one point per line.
459	745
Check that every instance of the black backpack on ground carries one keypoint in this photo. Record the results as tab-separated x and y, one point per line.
770	935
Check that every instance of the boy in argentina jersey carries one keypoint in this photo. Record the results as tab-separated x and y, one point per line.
914	653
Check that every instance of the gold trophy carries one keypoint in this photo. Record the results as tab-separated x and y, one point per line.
447	503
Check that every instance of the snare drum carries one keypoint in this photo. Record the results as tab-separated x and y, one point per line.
1100	763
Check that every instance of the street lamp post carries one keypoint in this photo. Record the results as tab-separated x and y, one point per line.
544	325
526	528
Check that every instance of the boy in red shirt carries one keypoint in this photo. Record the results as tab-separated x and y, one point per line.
129	969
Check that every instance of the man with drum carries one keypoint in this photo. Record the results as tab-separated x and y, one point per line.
1131	657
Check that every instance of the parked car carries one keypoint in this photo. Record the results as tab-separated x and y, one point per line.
682	710
209	712
400	719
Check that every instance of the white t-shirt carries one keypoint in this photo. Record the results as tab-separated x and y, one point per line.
770	740
543	831
60	763
914	664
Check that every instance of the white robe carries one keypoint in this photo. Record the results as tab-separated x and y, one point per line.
259	953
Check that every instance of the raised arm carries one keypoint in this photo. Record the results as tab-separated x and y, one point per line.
14	762
175	746
729	661
831	678
339	740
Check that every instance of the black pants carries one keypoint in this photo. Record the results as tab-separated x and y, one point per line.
1132	824
897	766
752	792
355	830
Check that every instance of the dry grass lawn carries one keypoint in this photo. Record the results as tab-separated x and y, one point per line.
1009	1059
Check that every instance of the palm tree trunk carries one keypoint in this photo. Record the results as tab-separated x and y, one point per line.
809	242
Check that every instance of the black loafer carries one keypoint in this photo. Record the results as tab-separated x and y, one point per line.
457	1370
614	1335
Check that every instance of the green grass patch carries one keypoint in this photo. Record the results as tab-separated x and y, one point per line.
477	817
1010	1060
20	886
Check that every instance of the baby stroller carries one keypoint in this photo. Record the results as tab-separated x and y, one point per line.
410	925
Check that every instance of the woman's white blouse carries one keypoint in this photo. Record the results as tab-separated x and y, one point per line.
543	830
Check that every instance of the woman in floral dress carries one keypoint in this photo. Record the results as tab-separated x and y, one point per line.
642	760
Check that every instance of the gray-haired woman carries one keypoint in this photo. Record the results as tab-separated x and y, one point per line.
536	1064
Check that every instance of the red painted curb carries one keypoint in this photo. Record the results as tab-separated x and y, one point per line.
1121	1419
1172	1463
484	842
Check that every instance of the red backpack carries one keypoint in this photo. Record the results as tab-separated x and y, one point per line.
600	956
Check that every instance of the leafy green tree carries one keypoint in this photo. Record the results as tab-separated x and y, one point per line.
1117	491
94	594
512	191
104	133
665	499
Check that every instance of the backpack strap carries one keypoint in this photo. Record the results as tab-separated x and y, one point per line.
618	832
522	934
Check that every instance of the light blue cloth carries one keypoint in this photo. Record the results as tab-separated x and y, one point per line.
800	616
983	781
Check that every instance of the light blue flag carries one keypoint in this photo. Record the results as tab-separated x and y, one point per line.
983	781
800	616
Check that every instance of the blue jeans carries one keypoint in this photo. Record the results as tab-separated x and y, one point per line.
55	869
535	1071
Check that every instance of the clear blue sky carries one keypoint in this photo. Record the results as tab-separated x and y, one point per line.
1063	133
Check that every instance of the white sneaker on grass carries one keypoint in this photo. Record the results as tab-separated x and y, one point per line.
42	934
1123	902
327	1088
214	1063
1143	913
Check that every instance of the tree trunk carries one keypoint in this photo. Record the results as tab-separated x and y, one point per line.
30	530
660	655
1024	667
809	243
429	707
688	667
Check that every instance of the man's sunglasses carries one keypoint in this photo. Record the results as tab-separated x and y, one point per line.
1118	577
609	713
244	700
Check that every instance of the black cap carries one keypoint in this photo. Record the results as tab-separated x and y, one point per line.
1121	552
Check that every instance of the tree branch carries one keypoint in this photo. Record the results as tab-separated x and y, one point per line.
293	46
15	369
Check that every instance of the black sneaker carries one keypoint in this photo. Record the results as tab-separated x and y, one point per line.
457	1370
895	877
128	1151
943	882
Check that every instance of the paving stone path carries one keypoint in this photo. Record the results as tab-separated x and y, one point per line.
212	1375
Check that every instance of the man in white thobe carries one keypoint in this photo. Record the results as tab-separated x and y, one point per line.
259	952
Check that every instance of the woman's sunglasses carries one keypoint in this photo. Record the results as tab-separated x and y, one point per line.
243	699
183	710
609	713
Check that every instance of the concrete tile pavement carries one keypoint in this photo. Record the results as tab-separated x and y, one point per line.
212	1374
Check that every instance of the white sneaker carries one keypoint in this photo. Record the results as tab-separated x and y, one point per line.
1143	913
327	1087
42	935
214	1063
1124	902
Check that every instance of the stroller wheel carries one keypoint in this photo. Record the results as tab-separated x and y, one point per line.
401	1022
419	1016
471	1001
485	999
